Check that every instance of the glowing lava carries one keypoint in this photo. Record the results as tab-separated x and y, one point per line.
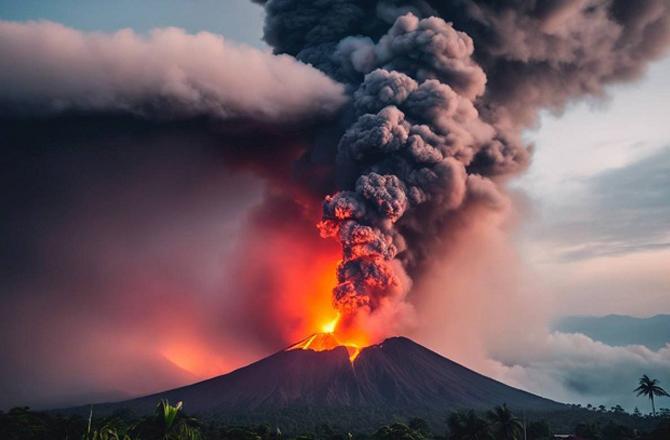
323	342
335	333
329	327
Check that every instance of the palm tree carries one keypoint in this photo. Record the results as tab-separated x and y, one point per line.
167	415
467	426
108	431
174	424
167	423
650	388
504	425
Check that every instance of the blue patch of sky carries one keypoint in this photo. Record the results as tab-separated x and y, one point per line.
239	20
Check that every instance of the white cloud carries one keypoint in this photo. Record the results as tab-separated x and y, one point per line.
574	368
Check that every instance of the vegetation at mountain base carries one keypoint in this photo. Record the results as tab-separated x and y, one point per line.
170	422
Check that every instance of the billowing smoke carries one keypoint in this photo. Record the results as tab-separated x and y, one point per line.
167	74
441	92
408	154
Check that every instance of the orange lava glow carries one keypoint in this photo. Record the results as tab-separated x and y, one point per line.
335	330
298	301
286	281
334	333
301	304
330	326
326	341
304	303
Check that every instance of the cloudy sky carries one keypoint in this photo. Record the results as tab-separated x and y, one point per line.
600	206
594	237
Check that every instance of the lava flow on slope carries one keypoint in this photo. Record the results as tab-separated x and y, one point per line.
327	340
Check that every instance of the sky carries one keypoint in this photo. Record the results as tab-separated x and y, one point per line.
598	174
239	20
593	235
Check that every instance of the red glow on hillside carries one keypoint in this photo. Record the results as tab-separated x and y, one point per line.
300	305
284	282
194	358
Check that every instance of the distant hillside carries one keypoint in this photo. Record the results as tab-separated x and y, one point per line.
620	330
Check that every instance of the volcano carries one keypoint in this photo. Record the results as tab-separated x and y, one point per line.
326	382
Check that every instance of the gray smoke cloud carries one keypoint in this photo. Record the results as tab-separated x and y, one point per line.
441	92
166	74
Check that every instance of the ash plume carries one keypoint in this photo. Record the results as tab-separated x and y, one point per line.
441	92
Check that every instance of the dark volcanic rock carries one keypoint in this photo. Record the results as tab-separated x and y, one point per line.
397	376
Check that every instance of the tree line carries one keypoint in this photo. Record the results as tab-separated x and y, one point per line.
171	422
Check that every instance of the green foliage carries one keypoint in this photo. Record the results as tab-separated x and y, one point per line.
538	430
661	432
419	425
240	434
503	424
614	431
107	433
169	422
397	431
587	431
167	414
24	424
617	409
467	426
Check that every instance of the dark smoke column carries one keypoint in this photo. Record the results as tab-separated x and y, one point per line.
417	131
425	136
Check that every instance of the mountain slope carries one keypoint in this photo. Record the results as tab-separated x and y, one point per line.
396	376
